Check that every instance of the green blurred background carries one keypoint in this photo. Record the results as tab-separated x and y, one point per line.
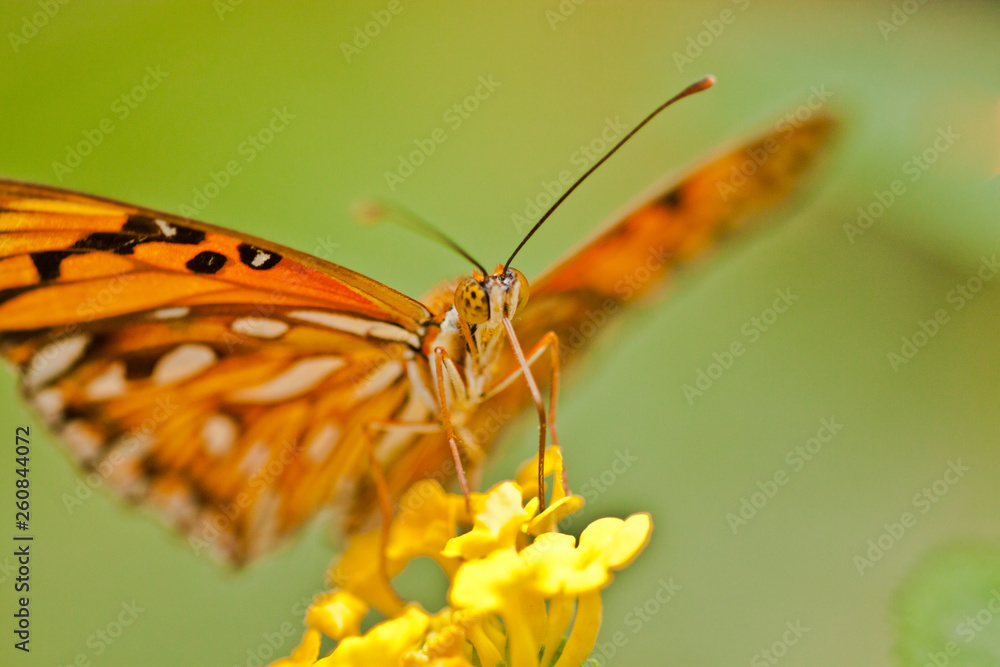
229	66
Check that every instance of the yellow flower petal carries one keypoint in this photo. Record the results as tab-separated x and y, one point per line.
486	584
384	645
359	572
560	615
490	653
442	649
559	568
584	633
527	474
496	526
549	520
618	541
428	518
338	614
305	654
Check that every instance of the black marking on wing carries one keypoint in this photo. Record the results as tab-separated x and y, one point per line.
673	199
138	229
252	257
206	262
148	227
47	263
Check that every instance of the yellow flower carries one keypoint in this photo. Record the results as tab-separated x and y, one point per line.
517	586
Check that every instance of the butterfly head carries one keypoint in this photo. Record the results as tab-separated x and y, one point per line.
486	299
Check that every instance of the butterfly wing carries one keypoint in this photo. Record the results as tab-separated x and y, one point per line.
219	377
673	225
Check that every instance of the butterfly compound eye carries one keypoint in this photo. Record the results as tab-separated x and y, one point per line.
471	302
522	289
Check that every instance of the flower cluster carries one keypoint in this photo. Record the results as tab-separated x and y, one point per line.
517	585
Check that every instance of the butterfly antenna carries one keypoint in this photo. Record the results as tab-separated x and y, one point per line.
369	212
696	87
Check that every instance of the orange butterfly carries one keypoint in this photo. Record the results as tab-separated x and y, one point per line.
241	386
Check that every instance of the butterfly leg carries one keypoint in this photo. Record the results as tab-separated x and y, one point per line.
536	396
548	344
443	363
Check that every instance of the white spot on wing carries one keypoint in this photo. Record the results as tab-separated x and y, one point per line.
262	529
108	384
219	433
171	313
379	379
54	359
182	362
259	327
420	386
302	376
132	446
222	543
82	438
393	441
358	325
254	460
165	227
121	465
318	447
260	259
177	506
50	403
